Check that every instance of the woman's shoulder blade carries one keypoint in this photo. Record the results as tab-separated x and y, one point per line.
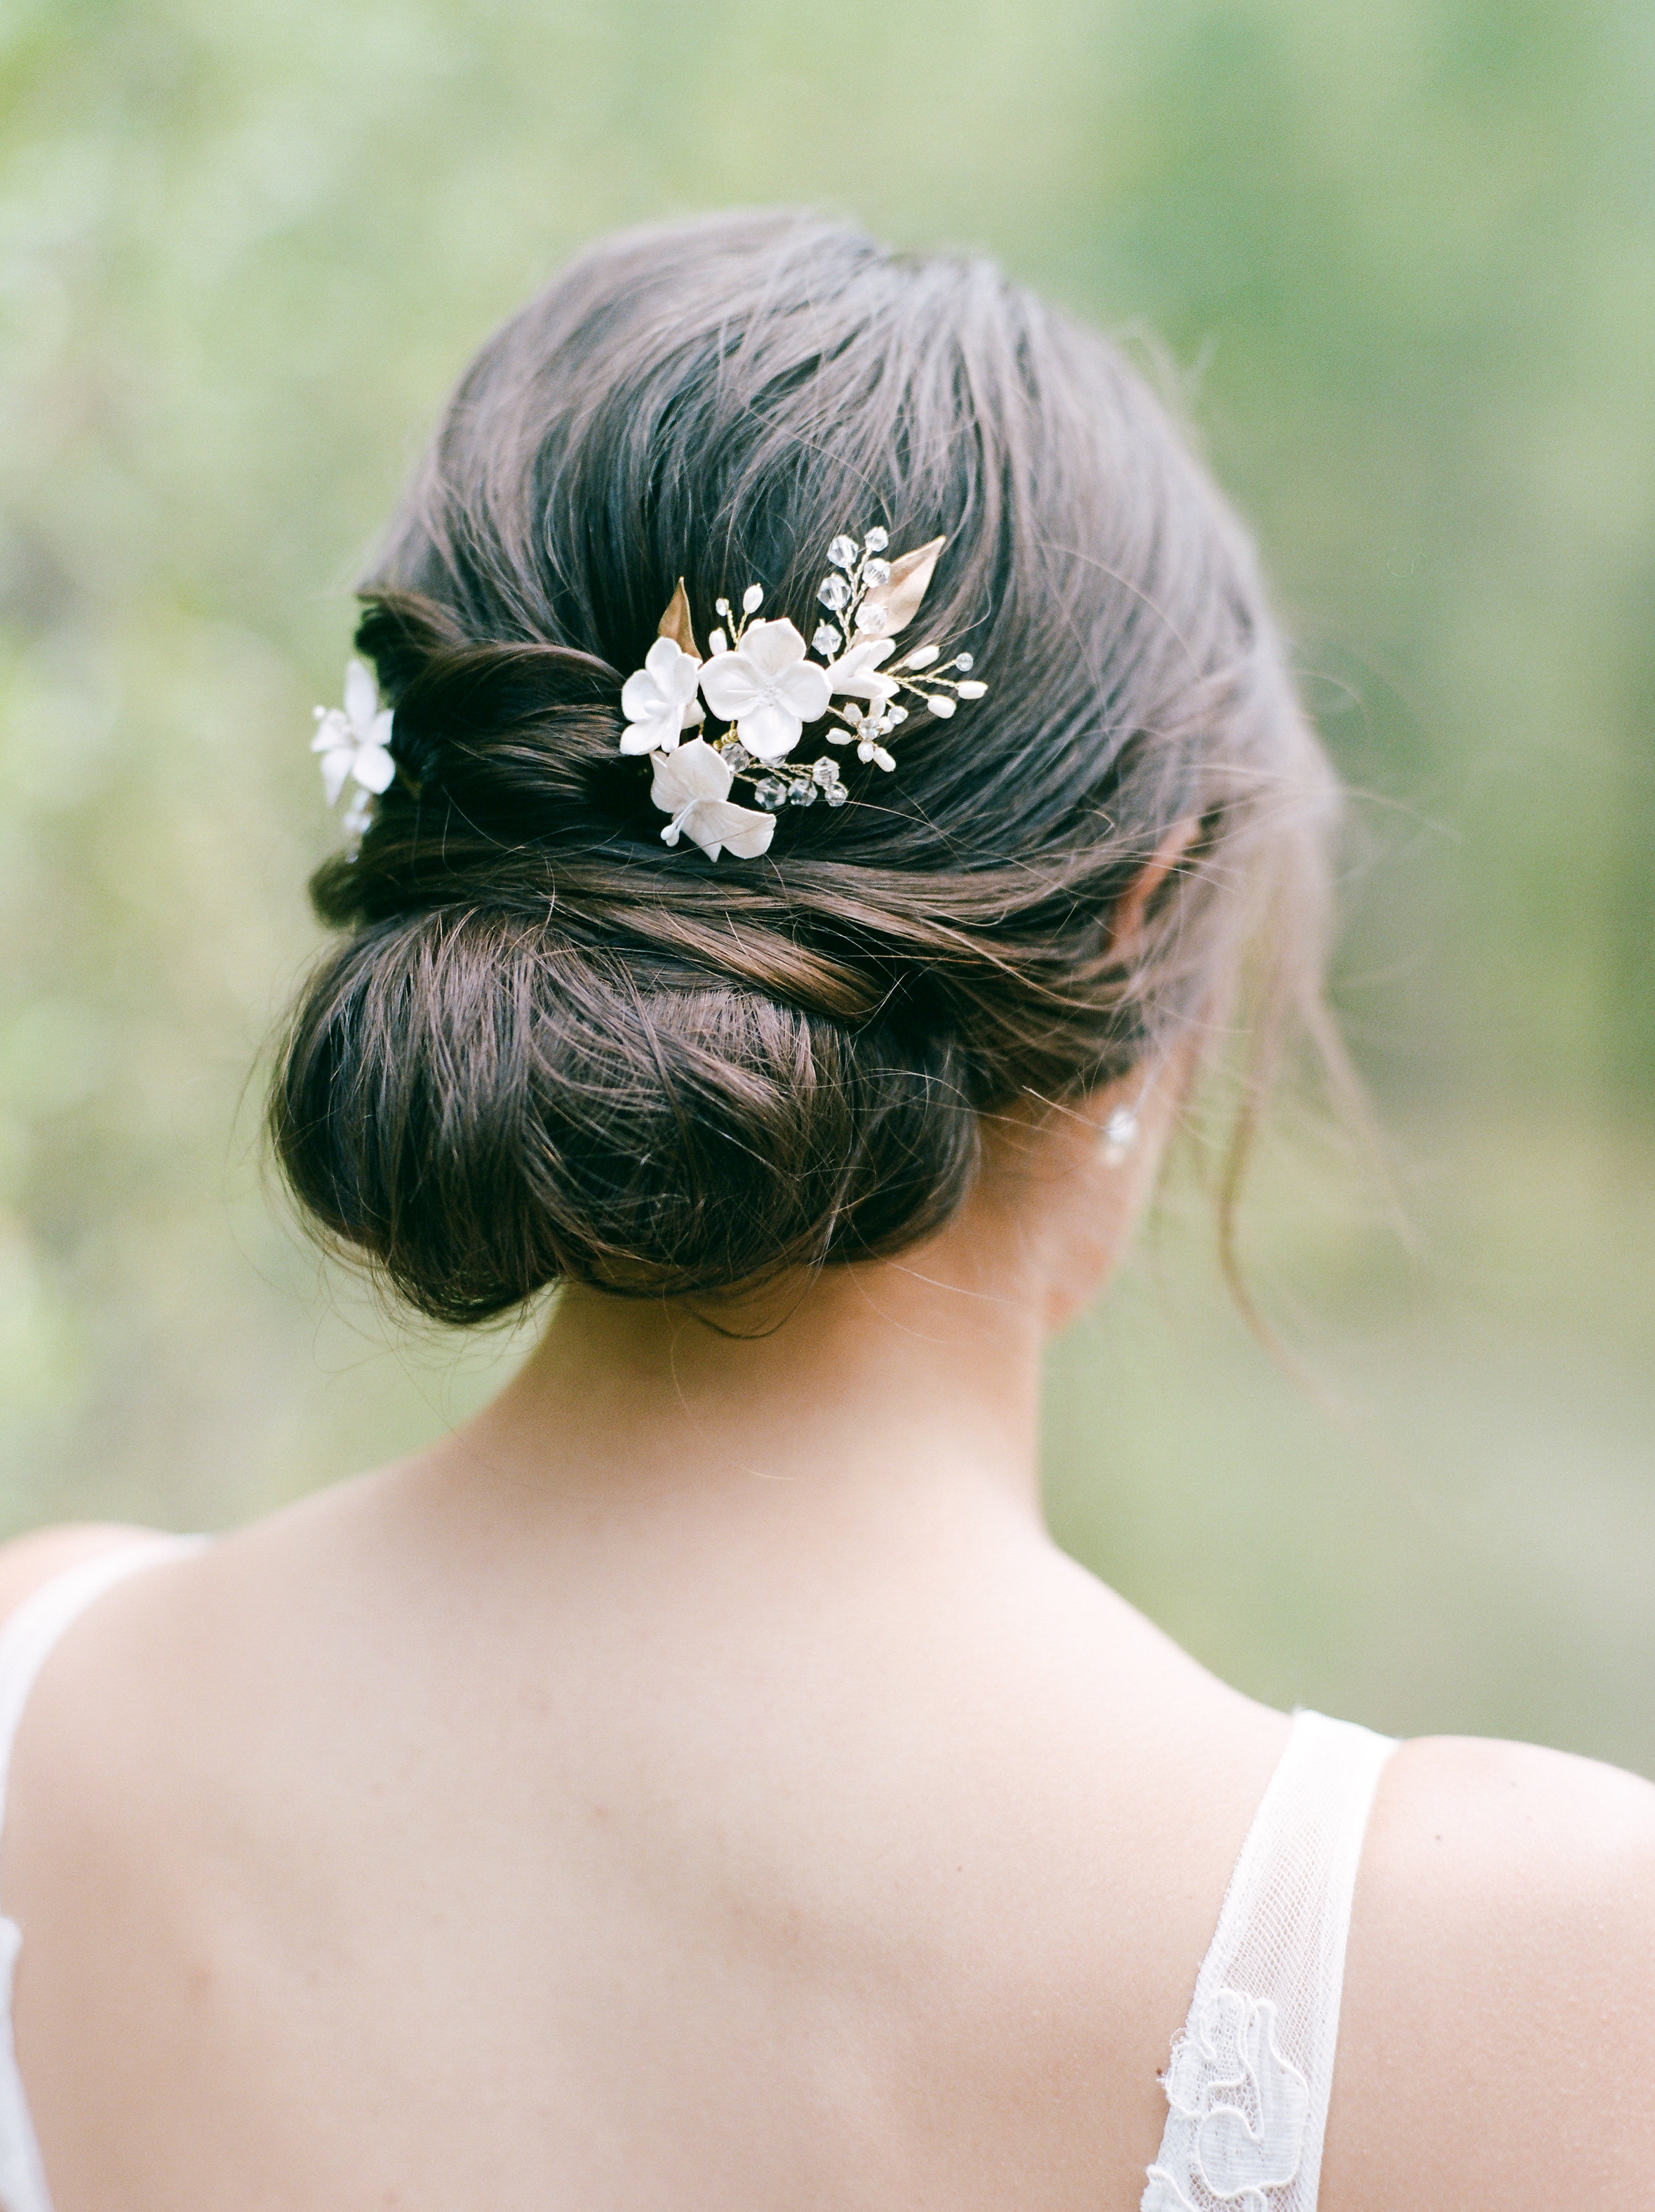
1497	2038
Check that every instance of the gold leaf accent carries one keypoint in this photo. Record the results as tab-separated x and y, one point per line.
900	595
675	622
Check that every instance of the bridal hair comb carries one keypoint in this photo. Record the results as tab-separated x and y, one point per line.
760	681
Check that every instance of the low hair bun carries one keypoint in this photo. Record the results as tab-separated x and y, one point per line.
483	1106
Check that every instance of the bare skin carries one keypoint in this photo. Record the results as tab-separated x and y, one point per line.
700	1784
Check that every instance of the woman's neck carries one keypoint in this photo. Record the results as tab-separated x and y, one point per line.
870	1389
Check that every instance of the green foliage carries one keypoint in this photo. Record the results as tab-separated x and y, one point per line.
1402	257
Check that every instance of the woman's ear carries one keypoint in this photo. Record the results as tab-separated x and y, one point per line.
1135	904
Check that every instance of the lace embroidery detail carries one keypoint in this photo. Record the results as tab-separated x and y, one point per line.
1239	2110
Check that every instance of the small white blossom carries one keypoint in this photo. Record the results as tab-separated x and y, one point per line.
766	688
692	785
354	742
856	674
659	699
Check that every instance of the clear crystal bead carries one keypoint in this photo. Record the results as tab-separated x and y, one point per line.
876	540
842	552
835	794
835	592
873	621
721	606
825	772
771	793
962	661
876	573
827	639
738	756
802	792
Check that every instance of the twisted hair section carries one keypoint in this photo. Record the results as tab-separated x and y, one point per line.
549	1048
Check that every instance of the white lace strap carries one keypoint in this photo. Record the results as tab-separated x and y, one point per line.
26	1642
1248	2082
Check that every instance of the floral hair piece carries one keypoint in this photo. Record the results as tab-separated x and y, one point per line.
354	743
760	681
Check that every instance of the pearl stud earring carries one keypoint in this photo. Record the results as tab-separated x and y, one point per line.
1121	1133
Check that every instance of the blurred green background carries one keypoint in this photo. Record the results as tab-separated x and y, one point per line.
1399	260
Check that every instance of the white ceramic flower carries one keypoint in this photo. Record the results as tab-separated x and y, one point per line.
691	784
355	742
856	674
767	689
659	699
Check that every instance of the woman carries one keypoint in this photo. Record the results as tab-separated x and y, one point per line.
842	773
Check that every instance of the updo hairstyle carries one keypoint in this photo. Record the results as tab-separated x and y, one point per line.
549	1048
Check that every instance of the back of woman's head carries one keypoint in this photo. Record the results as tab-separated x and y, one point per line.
550	1048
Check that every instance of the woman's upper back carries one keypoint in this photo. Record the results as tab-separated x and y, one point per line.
348	1875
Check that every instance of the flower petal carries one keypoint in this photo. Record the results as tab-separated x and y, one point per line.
856	674
729	687
805	689
714	823
694	771
769	728
336	767
361	697
641	696
671	668
374	768
772	647
654	733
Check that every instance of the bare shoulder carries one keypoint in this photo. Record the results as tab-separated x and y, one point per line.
1497	2039
28	1561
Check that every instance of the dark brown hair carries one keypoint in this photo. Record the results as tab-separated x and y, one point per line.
548	1047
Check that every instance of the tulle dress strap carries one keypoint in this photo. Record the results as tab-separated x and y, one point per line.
26	1642
1248	2082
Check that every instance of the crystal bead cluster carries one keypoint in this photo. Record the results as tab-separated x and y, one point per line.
760	682
868	598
